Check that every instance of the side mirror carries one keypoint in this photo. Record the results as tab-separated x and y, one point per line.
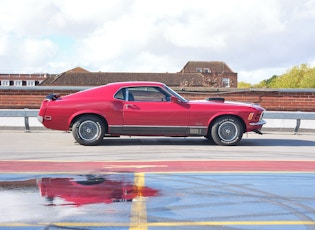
175	100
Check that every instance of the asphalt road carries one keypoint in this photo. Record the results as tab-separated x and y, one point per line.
60	146
47	181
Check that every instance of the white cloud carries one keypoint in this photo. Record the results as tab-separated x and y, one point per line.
312	63
36	51
4	46
254	37
257	75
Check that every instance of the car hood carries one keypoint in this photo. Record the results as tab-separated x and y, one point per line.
226	103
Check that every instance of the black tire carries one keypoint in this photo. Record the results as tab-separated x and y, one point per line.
209	138
88	130
227	130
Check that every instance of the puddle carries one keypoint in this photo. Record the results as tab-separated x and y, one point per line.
90	189
71	198
80	190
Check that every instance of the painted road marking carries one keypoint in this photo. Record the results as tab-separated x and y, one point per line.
133	166
157	166
138	213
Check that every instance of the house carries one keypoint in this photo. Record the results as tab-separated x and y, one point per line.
102	78
21	80
213	74
194	74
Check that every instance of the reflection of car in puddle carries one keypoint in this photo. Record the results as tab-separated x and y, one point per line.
91	190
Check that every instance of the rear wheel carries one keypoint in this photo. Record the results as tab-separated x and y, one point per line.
227	130
88	130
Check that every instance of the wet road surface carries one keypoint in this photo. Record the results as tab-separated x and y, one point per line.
49	182
150	198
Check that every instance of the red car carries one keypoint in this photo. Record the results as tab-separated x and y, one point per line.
147	109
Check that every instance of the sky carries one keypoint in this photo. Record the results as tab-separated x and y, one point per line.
255	38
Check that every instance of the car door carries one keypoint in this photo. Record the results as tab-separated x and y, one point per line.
149	111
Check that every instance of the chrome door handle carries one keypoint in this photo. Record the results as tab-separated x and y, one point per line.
128	105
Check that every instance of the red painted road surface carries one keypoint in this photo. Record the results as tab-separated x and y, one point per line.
156	166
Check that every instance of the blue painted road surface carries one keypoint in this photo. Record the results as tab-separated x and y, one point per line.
142	200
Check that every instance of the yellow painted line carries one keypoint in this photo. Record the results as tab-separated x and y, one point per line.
221	223
138	215
144	225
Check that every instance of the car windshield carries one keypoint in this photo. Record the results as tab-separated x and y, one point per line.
175	94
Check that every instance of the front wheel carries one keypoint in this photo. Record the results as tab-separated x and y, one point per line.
88	130
227	130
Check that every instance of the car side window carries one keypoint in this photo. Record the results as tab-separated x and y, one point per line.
124	94
147	94
121	94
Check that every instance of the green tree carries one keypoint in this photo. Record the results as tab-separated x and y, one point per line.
302	76
308	80
243	85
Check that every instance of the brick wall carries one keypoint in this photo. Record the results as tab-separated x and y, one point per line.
20	99
273	100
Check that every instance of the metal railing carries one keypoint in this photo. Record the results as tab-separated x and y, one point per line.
298	116
26	113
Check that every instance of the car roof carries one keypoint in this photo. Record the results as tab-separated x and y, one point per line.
112	88
135	83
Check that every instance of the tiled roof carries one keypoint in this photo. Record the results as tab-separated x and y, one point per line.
23	77
101	78
78	70
193	74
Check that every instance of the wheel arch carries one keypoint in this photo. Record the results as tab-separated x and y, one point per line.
103	119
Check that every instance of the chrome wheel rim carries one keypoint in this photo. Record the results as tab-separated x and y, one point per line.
88	130
228	131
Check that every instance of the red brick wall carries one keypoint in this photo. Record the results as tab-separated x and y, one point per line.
278	100
20	99
271	100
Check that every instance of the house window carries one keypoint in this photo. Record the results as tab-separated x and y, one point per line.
206	70
30	83
199	70
17	83
5	83
226	82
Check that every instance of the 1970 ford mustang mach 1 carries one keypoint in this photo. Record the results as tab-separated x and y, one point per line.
147	109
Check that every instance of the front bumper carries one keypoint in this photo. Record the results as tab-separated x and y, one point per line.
259	123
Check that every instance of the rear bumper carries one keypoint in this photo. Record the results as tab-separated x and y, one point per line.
40	119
